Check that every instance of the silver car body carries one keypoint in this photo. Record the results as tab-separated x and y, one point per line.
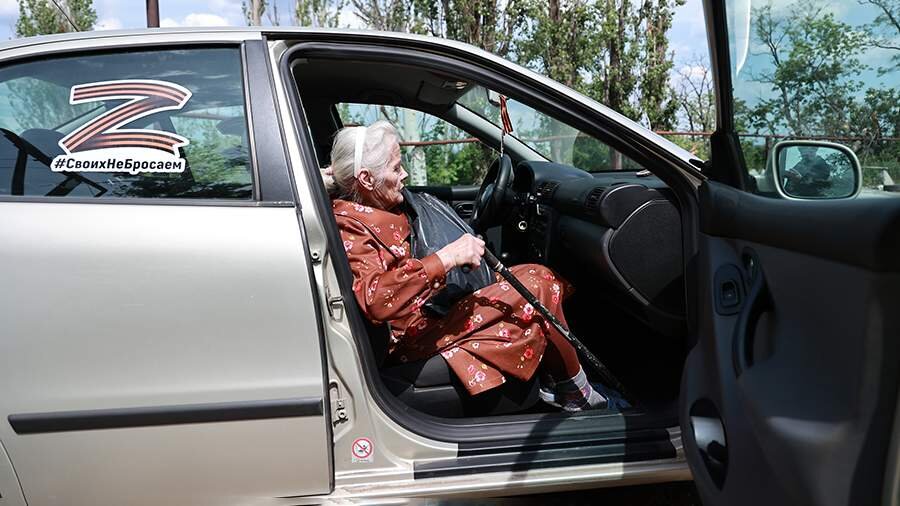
120	305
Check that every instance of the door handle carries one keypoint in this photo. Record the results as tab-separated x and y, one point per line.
756	303
465	209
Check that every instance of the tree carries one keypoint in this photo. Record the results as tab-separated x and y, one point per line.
887	22
43	17
694	93
488	24
657	99
884	31
815	83
37	103
560	41
389	15
318	13
614	51
811	62
253	11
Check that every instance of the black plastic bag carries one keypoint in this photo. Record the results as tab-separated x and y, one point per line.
433	225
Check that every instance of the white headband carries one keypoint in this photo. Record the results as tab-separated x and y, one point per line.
358	152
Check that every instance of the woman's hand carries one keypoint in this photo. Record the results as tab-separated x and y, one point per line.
467	250
328	179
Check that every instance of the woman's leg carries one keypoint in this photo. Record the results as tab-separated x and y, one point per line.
560	358
568	387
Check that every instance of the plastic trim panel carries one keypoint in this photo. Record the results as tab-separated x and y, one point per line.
62	421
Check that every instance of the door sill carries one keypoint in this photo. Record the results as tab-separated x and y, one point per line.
561	451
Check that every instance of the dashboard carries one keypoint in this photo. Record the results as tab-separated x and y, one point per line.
624	226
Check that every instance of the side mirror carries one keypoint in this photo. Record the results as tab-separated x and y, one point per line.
813	170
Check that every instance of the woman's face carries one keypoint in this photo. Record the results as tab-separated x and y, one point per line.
387	194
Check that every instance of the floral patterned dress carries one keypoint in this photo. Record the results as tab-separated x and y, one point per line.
489	335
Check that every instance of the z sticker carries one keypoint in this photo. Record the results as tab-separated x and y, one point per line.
101	145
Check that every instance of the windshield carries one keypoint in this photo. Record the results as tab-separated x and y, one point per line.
825	70
554	140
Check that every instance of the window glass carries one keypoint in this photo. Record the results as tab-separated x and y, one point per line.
818	70
161	123
551	138
435	153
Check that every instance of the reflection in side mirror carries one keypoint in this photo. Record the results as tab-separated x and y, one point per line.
815	170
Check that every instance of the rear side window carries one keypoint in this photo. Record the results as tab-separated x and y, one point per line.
148	124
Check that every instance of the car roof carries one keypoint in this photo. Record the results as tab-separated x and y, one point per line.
350	35
251	31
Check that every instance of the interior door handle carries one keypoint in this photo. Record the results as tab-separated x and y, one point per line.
465	209
756	303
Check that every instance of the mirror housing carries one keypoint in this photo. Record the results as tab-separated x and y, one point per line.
814	170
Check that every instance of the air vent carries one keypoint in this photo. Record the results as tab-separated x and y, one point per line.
545	191
592	202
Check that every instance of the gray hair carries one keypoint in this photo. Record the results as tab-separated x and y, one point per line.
376	155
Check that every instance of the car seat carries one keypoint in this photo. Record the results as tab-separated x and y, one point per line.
431	387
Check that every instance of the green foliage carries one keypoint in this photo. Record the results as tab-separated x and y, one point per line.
42	17
695	98
318	13
656	99
41	104
884	31
218	167
461	164
813	88
561	41
813	61
615	51
696	144
215	157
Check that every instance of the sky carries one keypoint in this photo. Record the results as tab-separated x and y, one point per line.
687	37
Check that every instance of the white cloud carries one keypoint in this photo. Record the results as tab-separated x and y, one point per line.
693	71
9	8
231	10
205	19
349	19
196	19
108	24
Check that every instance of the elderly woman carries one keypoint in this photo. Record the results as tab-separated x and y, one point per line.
489	335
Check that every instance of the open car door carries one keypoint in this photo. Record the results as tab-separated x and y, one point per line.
790	393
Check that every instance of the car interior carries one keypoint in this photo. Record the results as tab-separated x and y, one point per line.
614	234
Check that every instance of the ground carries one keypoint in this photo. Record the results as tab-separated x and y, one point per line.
666	494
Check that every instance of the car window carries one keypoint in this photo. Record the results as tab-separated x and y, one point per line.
435	153
551	138
823	70
141	124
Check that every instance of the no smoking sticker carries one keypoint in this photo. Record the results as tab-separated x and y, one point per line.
361	450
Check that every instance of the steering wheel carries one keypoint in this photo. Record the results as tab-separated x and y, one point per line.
491	197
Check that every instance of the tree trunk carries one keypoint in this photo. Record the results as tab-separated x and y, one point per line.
255	12
418	175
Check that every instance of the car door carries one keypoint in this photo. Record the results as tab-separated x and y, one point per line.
158	326
789	395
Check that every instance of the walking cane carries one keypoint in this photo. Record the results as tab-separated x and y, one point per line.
598	366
